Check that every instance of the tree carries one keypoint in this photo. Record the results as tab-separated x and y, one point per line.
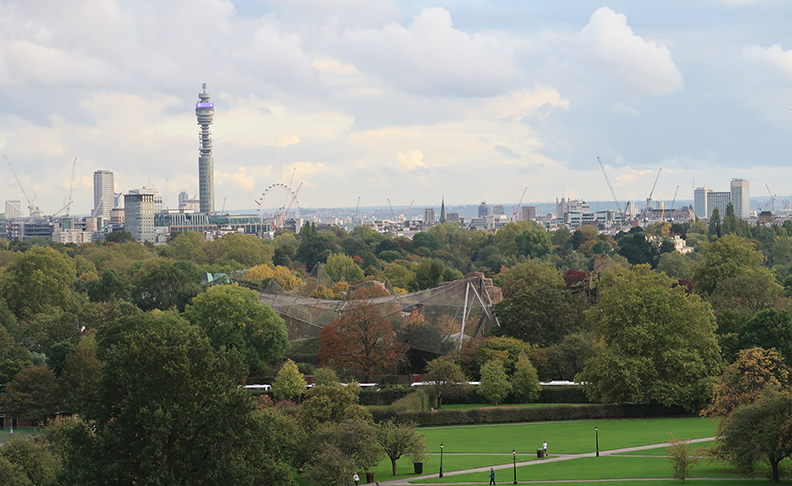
674	264
656	342
331	402
524	380
445	379
724	258
494	385
233	318
35	460
169	411
290	383
729	224
120	237
362	341
759	432
32	395
428	273
110	287
247	250
342	267
476	352
81	372
355	440
744	381
769	328
399	439
37	281
681	458
165	287
714	228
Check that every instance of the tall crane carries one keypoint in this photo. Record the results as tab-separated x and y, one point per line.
649	199
772	200
393	215
354	220
673	202
31	207
294	198
67	204
610	186
516	214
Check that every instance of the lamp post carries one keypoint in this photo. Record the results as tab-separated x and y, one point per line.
514	458
596	439
441	459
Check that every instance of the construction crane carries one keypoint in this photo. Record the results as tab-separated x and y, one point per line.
354	220
31	207
673	202
516	214
610	186
67	203
393	215
772	200
294	198
649	199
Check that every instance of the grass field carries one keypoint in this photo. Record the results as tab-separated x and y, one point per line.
468	406
698	448
4	433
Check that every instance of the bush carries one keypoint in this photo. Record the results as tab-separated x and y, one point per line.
383	396
494	415
562	394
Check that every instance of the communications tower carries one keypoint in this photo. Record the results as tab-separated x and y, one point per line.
204	110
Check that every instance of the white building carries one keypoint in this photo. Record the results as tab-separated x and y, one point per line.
741	198
139	214
700	202
104	199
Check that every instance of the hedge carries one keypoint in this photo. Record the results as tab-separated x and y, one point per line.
496	415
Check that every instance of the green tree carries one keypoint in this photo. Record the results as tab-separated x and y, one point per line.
398	440
290	383
445	379
524	380
110	287
714	229
120	237
35	460
729	224
315	246
759	432
533	242
769	328
247	250
675	265
80	377
356	443
656	342
164	287
428	273
724	259
188	246
331	402
38	281
681	456
169	411
342	267
233	318
32	395
494	385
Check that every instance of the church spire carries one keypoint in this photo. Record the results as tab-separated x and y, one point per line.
442	211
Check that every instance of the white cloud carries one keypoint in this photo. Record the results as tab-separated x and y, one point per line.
411	160
614	52
773	57
621	108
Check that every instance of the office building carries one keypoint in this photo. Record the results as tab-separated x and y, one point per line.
186	203
204	110
139	215
527	212
498	210
104	201
452	218
483	210
13	209
429	216
700	202
717	199
741	198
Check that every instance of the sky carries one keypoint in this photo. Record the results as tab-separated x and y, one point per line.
468	101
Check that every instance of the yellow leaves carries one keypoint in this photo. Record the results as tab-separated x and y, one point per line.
285	277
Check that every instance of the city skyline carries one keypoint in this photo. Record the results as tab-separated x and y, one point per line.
393	101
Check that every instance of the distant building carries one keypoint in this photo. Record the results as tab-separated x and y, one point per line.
717	199
527	212
429	216
498	209
741	198
188	203
13	209
483	210
452	218
700	202
139	215
443	218
104	198
117	217
204	110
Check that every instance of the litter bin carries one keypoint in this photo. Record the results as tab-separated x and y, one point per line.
539	453
369	477
418	467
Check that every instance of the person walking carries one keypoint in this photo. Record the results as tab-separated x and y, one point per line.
544	448
492	477
356	478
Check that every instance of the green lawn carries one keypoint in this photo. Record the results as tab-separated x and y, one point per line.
699	448
4	433
468	406
565	437
431	465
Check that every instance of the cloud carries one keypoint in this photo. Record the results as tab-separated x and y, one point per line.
773	57
411	160
430	56
611	49
621	108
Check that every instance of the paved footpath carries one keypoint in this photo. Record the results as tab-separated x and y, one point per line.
551	458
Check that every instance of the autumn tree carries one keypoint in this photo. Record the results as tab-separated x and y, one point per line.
286	278
744	381
290	383
657	343
682	458
362	341
494	385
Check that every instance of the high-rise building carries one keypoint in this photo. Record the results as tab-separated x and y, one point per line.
741	198
204	110
139	214
188	204
527	212
717	199
483	210
104	199
429	216
498	209
700	202
13	209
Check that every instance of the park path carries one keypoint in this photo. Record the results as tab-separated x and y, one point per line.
551	458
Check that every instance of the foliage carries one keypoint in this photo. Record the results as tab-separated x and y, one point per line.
233	318
341	267
724	258
476	352
355	440
524	380
362	341
110	287
428	273
181	418
119	237
164	287
81	372
445	378
769	328
331	402
675	265
32	395
247	250
398	440
38	280
681	456
290	383
744	381
759	432
287	279
34	462
567	358
495	384
656	343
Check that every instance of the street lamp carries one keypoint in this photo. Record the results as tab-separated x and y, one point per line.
514	458
441	459
596	439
